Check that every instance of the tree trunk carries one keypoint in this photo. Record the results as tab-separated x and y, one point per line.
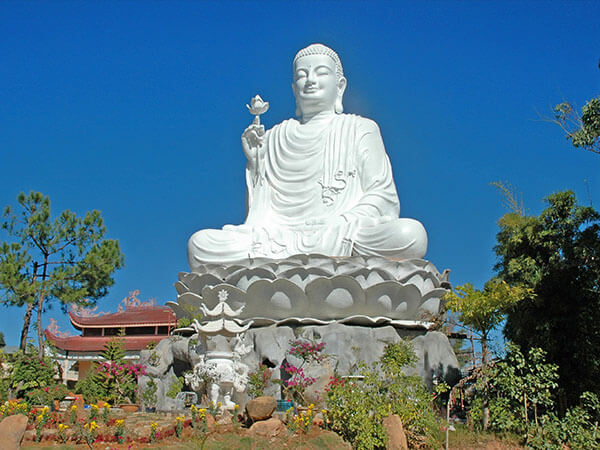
485	419
40	333
25	330
40	309
28	312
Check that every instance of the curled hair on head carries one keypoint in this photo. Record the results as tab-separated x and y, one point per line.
320	49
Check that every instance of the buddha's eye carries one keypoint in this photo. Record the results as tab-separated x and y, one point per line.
301	74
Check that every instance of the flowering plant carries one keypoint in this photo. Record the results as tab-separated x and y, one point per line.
153	432
308	351
199	414
94	412
42	418
179	425
120	380
120	430
297	381
89	433
73	413
62	432
295	386
105	412
13	407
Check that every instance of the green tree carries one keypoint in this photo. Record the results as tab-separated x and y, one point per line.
557	256
528	380
583	130
2	341
483	311
66	259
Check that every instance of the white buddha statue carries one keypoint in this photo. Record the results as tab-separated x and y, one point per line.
319	184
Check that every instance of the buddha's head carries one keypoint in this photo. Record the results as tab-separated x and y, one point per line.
319	81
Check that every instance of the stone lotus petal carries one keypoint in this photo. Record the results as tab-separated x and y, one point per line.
195	282
245	277
340	295
318	289
302	276
179	311
393	299
370	277
424	281
279	299
236	298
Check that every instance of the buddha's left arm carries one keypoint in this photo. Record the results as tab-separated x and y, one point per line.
374	170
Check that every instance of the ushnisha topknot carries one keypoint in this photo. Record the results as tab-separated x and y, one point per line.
320	49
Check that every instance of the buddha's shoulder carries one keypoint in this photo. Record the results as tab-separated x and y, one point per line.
362	123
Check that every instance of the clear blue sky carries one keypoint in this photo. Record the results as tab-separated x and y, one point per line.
136	109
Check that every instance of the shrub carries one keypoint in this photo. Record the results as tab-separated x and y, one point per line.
176	387
356	409
30	372
258	381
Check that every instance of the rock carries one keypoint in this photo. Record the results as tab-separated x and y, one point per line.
269	428
436	358
12	430
348	345
318	420
395	432
261	408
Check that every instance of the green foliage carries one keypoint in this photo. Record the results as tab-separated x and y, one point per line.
30	372
91	387
65	259
582	130
118	377
484	310
149	393
2	341
526	379
176	386
258	381
522	402
356	409
114	350
557	256
46	395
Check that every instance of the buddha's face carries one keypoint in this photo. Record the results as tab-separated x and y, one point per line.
316	86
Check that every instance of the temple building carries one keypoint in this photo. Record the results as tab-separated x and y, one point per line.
142	326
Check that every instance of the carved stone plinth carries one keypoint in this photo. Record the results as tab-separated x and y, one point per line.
317	289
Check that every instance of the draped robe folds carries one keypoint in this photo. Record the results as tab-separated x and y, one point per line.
325	187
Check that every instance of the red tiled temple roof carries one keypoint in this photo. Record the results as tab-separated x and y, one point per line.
132	317
97	343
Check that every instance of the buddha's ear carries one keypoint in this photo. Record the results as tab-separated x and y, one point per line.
341	86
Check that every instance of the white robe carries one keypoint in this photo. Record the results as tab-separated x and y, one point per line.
332	169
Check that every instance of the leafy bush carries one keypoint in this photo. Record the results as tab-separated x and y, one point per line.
46	395
356	409
176	387
149	394
521	402
90	387
30	372
258	381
